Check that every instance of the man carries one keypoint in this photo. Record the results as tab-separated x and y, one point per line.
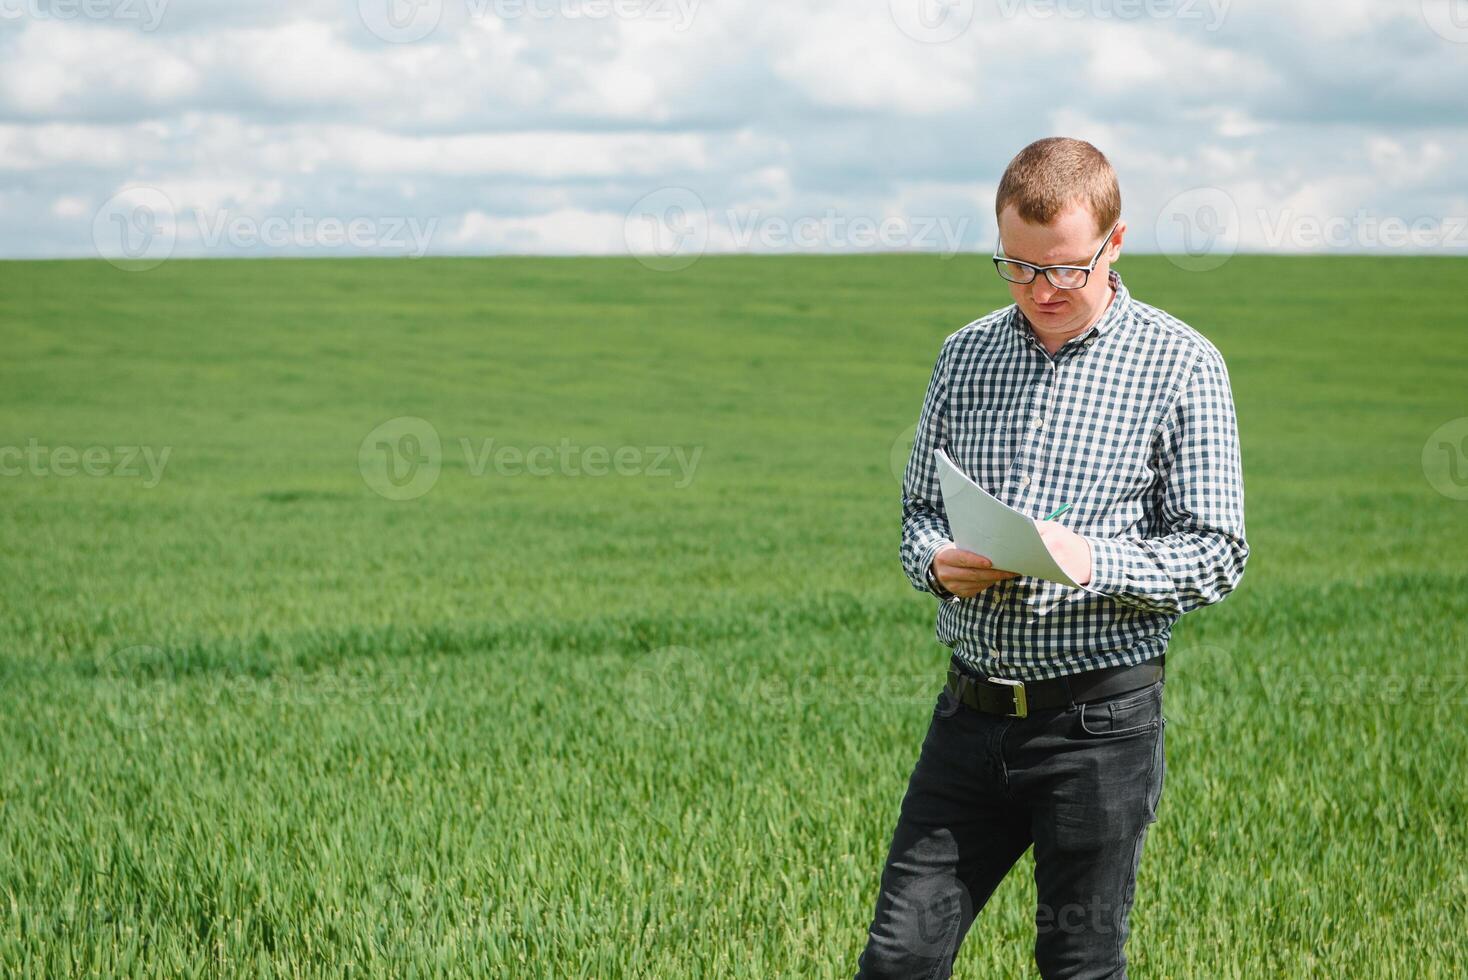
1049	731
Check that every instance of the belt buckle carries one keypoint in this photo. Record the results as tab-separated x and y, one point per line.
1017	690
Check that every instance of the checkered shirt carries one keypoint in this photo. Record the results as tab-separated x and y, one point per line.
1132	424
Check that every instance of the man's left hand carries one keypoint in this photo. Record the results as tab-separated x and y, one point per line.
1072	552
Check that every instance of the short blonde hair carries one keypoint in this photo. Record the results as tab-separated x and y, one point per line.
1049	174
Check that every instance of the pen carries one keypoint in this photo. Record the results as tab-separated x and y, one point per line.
1062	510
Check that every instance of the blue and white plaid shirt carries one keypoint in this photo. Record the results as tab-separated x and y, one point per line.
1132	424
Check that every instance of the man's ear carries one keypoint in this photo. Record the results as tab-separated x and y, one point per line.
1116	239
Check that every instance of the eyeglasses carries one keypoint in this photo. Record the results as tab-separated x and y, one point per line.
1059	276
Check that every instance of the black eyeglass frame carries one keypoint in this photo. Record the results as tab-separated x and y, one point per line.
1000	259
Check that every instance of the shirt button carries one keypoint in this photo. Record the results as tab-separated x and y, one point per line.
1024	481
1038	423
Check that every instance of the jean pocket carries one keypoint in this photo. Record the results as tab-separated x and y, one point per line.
947	705
1126	714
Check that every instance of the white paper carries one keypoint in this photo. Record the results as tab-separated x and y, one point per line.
985	525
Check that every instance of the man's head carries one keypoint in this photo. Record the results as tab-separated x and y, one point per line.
1056	202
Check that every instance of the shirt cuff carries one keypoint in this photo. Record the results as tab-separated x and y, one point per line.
1108	567
934	586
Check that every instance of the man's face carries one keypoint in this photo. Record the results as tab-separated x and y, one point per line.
1071	239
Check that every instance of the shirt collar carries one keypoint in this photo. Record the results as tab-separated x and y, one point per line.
1115	314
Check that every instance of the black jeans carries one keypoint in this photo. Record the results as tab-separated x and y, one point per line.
1080	783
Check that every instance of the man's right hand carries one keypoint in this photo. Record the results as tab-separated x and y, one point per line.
964	573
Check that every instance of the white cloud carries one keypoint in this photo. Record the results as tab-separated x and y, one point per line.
69	207
1398	163
854	58
542	155
563	231
63	69
352	149
1125	62
79	147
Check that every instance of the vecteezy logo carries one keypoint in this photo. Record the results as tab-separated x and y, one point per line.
1448	18
1198	230
901	451
129	692
135	228
665	687
932	21
400	21
942	907
1445	459
668	229
401	458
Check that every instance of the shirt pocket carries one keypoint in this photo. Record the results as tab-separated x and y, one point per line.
982	442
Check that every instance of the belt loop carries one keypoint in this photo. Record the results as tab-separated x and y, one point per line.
1070	694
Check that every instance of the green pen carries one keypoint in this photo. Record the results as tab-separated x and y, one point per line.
1062	510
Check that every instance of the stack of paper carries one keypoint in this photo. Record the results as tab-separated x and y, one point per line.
985	525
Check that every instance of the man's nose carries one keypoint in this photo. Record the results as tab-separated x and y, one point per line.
1042	291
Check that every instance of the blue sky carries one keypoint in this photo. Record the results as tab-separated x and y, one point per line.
667	127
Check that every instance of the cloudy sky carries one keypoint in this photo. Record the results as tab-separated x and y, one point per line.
211	127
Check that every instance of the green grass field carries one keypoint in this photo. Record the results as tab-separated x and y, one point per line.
258	718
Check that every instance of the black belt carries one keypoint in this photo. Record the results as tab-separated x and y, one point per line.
1002	696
